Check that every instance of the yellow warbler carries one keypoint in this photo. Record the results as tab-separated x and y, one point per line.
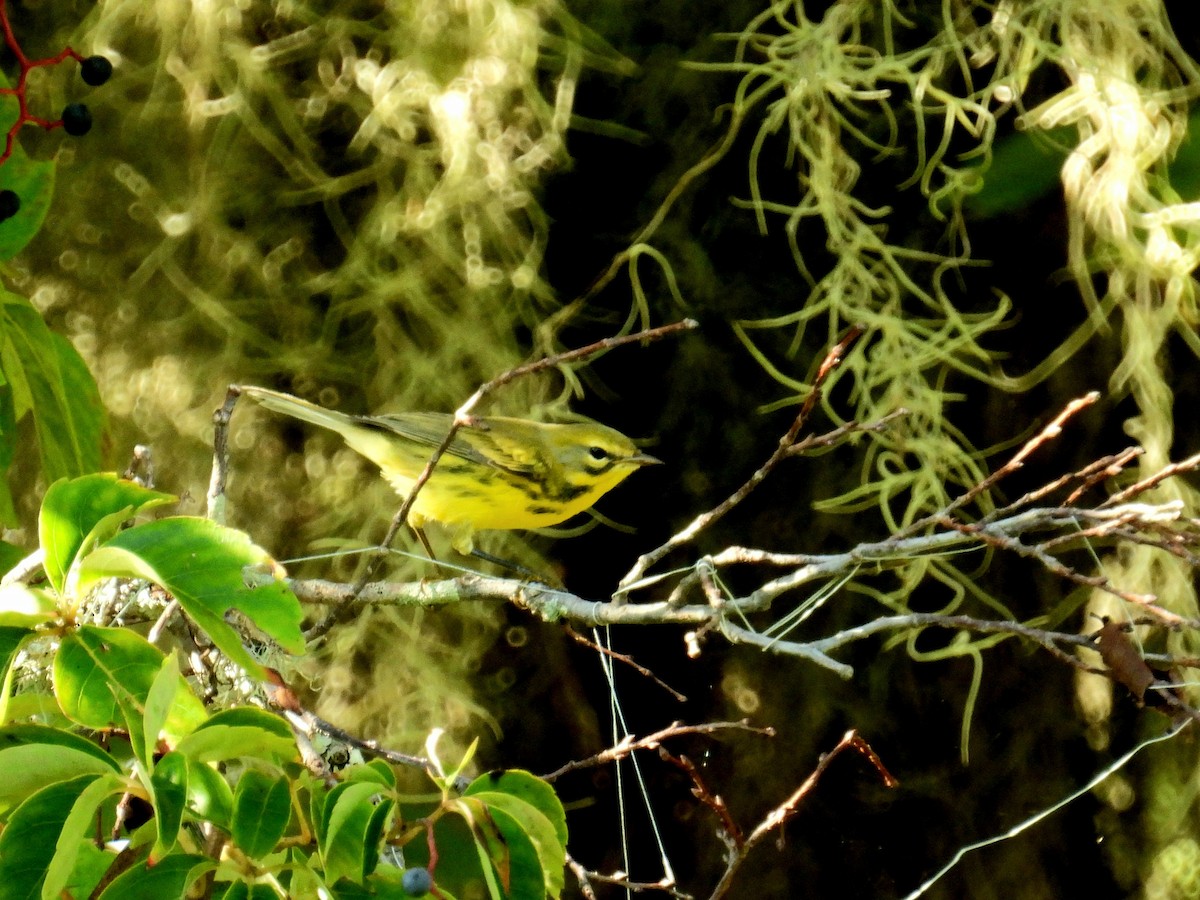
502	473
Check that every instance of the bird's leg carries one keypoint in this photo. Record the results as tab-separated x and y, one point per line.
420	533
525	571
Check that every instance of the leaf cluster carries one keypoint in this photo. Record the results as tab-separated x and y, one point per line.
127	783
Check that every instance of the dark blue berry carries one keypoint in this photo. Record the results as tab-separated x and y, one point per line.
95	70
417	881
10	203
76	119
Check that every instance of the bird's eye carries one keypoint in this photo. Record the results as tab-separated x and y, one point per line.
599	454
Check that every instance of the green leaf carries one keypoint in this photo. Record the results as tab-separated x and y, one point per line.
35	756
11	639
169	785
251	717
33	182
512	815
91	864
159	700
376	771
350	830
528	787
90	659
213	743
167	879
48	378
8	447
10	554
79	821
132	715
21	606
209	794
509	862
30	837
81	512
200	563
262	806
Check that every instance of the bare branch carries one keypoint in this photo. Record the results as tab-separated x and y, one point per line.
832	360
629	744
779	816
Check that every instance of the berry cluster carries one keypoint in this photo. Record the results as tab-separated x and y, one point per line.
76	118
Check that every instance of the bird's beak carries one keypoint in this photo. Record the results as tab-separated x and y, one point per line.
643	459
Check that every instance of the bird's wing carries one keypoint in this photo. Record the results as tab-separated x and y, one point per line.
493	444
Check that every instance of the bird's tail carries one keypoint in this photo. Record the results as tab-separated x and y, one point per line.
279	402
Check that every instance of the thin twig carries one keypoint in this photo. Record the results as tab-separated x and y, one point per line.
627	660
629	744
1047	434
1158	477
779	816
832	359
220	471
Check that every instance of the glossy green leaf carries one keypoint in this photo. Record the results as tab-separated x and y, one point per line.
90	659
79	513
213	743
167	879
131	718
375	770
35	756
200	563
30	837
91	865
25	607
512	814
33	182
239	890
253	717
48	378
262	806
209	794
528	787
349	830
515	868
8	448
159	701
80	820
169	784
11	639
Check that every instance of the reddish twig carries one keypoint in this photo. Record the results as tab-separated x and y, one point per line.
628	660
700	791
629	743
27	65
779	816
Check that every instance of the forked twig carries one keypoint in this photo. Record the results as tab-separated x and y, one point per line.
832	360
779	816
